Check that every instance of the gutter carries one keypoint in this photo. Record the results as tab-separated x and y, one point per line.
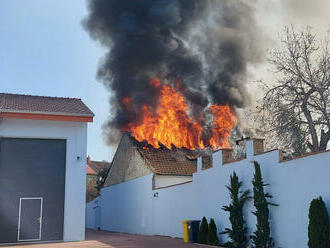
44	113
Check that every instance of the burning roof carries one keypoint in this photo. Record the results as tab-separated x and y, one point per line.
168	123
176	69
164	161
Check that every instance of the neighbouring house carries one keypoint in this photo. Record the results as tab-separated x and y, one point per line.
43	146
167	167
135	201
92	176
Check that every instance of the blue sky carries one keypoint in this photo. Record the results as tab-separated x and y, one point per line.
45	51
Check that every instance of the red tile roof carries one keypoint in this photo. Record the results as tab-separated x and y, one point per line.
90	171
94	167
179	162
15	103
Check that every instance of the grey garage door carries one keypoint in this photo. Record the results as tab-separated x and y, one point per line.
32	185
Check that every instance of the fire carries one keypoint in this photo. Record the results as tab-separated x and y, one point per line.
170	124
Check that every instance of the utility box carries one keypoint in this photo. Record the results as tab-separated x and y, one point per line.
190	230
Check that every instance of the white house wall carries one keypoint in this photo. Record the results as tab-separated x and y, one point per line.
75	179
161	181
133	207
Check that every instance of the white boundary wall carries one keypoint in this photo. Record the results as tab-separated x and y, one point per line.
133	207
75	133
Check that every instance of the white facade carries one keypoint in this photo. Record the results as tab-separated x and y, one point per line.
75	133
133	207
162	181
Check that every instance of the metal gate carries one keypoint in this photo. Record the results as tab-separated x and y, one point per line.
32	189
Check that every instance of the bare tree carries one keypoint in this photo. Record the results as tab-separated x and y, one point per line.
297	106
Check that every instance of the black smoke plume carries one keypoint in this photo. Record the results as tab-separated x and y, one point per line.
205	44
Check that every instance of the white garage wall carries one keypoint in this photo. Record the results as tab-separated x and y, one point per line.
75	182
131	207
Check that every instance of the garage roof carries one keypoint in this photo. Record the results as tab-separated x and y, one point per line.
44	108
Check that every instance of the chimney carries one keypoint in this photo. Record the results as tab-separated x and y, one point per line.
254	147
281	159
226	155
88	159
207	162
258	146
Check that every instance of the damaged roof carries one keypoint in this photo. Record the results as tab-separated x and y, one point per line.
179	162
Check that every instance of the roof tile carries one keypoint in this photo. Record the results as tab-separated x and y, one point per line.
43	104
94	167
168	162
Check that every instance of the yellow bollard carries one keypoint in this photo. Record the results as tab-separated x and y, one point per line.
185	231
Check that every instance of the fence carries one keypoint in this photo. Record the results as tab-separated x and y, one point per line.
133	207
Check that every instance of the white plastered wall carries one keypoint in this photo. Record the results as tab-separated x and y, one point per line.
162	181
75	133
133	207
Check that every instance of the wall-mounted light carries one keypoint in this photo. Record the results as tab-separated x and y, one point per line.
156	194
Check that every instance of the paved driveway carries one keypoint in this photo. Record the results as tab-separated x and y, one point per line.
101	239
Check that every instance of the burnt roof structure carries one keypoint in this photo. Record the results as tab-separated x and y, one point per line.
164	161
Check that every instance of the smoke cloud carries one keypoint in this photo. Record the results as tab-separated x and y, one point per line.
207	45
303	9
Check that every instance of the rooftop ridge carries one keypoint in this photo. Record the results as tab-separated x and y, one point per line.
28	106
39	96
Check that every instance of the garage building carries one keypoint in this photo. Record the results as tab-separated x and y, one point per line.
43	143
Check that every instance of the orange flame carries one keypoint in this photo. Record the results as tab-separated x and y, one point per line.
169	124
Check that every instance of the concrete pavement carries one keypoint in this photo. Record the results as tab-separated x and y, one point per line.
102	239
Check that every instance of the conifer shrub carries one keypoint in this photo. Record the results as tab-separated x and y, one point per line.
203	230
318	227
261	237
212	234
238	231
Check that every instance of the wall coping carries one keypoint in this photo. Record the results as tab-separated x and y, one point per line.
304	155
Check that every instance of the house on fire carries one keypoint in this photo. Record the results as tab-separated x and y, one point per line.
43	142
168	167
132	203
